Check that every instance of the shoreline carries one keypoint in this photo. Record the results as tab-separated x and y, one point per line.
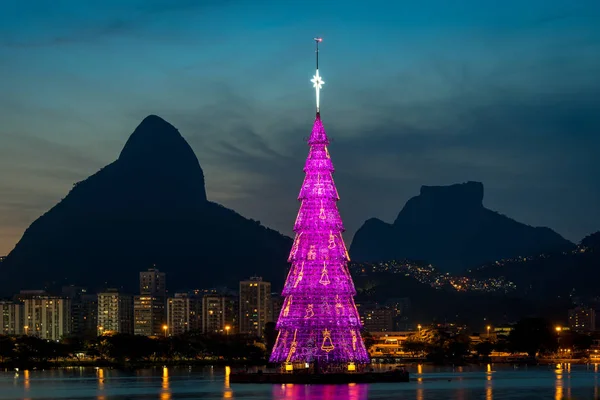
28	365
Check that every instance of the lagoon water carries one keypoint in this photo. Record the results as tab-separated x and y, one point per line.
492	382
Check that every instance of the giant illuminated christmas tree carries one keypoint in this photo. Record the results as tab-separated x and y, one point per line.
319	321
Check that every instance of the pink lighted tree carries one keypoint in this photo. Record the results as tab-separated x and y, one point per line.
319	320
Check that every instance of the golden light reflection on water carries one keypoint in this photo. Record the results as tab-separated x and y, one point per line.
420	393
26	380
165	378
419	372
100	378
165	394
100	373
489	392
227	393
558	385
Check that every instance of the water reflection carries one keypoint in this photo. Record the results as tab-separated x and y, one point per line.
489	393
420	393
489	382
227	393
558	385
26	383
351	391
100	379
100	373
165	394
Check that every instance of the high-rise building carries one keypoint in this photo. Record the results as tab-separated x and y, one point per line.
153	282
582	319
218	314
84	311
11	318
376	318
47	317
115	313
149	308
319	320
254	306
149	315
184	312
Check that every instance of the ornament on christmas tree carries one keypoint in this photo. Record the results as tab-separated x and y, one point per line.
312	253
286	309
300	275
324	277
293	347
310	312
319	281
331	241
338	305
327	345
322	212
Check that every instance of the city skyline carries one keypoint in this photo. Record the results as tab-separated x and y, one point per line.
437	93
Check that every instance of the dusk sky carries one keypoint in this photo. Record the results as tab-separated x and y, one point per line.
429	92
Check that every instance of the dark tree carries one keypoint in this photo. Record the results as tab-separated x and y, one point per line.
533	335
458	346
270	336
368	339
484	349
414	346
7	348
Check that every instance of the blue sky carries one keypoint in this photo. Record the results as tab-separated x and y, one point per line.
417	92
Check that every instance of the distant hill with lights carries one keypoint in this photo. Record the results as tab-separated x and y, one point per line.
147	208
449	227
567	274
503	291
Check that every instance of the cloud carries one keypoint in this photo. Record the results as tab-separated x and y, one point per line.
75	22
525	141
514	104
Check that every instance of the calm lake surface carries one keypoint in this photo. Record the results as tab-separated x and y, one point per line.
492	382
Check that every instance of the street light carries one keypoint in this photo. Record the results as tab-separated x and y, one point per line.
26	329
227	328
100	330
419	328
488	331
558	330
166	329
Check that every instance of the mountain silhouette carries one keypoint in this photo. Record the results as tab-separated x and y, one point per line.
147	208
449	227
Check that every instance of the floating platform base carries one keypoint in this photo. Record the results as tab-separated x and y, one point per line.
330	378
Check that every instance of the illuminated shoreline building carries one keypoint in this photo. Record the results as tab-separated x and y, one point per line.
149	308
184	312
254	306
47	317
319	321
218	314
115	313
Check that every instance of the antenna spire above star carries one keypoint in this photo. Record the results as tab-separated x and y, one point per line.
317	81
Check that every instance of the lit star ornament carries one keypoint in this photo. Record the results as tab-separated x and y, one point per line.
318	82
